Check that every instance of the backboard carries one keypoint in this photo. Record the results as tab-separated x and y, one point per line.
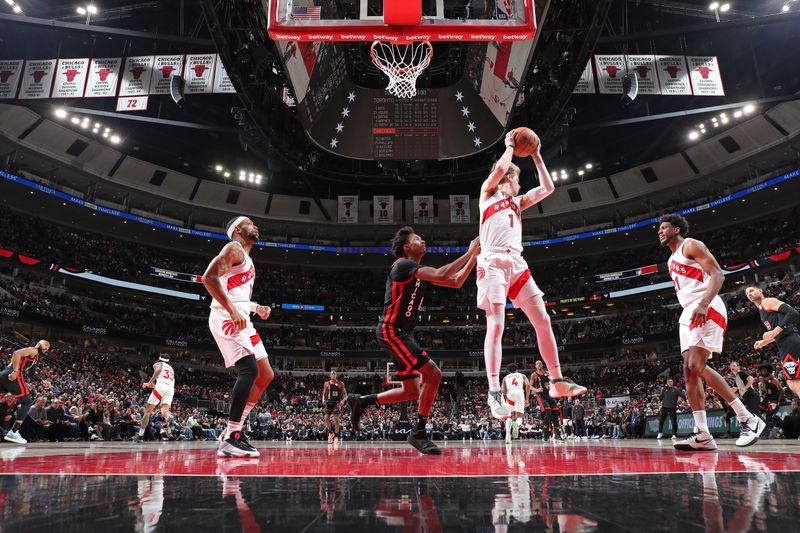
371	20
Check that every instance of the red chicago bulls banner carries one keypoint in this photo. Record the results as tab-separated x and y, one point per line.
673	75
645	68
136	76
37	79
585	84
459	209
383	208
610	70
9	77
103	77
705	76
199	73
164	68
70	78
222	82
348	209
423	210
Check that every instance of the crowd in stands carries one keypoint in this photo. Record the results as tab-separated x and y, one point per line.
98	396
334	287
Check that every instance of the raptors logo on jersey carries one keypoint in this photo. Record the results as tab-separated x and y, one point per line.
239	282
501	223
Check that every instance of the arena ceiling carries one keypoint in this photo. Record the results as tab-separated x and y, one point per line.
753	40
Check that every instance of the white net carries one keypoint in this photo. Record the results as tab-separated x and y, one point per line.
402	63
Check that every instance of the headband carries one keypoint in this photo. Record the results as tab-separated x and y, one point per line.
235	225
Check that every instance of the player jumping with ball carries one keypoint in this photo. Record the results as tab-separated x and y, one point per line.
502	273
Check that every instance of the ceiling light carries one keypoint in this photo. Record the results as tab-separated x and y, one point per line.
252	175
97	125
95	130
91	9
724	7
713	119
107	130
555	178
723	115
81	10
713	6
10	2
581	173
724	120
84	125
737	114
251	179
227	174
242	176
693	135
115	139
258	177
785	8
17	9
749	108
589	166
218	168
60	113
105	134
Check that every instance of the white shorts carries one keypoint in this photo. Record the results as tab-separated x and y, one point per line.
516	400
163	393
504	275
709	336
232	345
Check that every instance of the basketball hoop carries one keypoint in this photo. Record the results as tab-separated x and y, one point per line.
402	63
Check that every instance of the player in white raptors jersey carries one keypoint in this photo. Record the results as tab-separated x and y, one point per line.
517	390
229	279
163	384
698	278
502	273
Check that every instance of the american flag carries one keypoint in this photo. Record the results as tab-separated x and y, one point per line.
306	12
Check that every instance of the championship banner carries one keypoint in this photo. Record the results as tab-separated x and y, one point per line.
705	76
610	70
136	76
423	209
348	209
673	75
383	207
222	82
164	68
459	209
37	79
103	77
9	77
585	84
645	68
199	73
70	78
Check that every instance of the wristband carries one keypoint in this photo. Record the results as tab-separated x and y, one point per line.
253	307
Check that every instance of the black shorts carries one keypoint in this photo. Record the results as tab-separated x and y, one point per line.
545	401
332	408
17	388
790	356
406	354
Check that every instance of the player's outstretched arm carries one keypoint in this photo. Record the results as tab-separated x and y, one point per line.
489	186
694	249
452	274
546	185
788	317
232	254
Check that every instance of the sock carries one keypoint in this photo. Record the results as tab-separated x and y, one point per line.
247	408
517	422
370	399
536	312
508	425
421	421
741	411
700	421
493	344
232	428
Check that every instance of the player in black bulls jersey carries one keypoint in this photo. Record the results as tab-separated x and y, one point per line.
405	291
15	379
780	319
540	385
333	396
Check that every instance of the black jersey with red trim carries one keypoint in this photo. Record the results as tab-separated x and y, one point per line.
334	391
404	295
771	320
28	368
540	381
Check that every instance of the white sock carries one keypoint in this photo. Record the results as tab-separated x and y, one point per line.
517	422
741	411
700	421
232	428
508	426
247	408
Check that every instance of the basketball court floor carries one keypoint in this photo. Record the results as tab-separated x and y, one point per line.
474	486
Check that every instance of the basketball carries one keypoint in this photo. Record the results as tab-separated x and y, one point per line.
526	142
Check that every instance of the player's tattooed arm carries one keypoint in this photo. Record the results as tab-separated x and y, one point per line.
489	186
232	254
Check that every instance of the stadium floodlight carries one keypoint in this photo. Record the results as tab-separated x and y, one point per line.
693	135
60	113
737	114
218	168
714	6
581	173
87	10
16	8
724	7
749	108
589	166
115	139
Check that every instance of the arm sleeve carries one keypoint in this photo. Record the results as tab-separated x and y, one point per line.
403	270
788	316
